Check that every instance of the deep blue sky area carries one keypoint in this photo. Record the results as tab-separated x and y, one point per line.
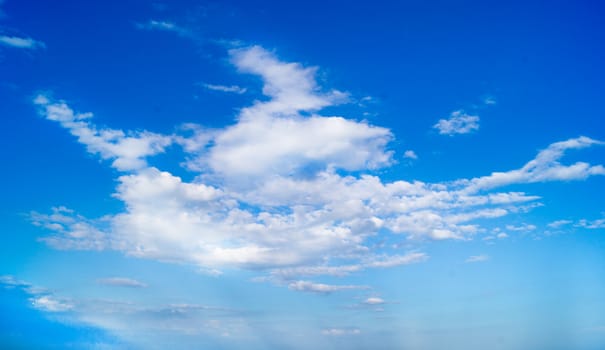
302	175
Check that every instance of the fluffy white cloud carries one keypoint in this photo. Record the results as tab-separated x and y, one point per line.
284	189
458	123
20	43
273	138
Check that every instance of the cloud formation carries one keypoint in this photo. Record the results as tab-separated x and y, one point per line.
163	26
284	189
477	258
224	88
459	122
21	43
121	282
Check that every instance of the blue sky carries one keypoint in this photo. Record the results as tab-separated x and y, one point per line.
253	175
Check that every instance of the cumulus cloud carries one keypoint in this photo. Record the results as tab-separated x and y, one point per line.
284	189
458	123
410	154
20	42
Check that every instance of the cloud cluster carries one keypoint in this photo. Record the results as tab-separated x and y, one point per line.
284	189
458	123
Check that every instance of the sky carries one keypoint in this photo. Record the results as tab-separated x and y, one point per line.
302	175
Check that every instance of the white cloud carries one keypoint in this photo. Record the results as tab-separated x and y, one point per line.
410	154
339	332
224	88
477	258
521	228
374	301
501	235
594	224
489	100
458	123
271	137
308	286
129	320
163	26
21	43
284	189
545	167
291	86
50	304
343	270
121	282
559	223
128	151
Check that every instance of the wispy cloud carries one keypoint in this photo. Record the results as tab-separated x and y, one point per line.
559	223
50	303
21	42
340	332
544	167
477	258
166	26
40	298
458	123
374	301
591	224
489	100
121	282
308	286
224	88
521	228
127	151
